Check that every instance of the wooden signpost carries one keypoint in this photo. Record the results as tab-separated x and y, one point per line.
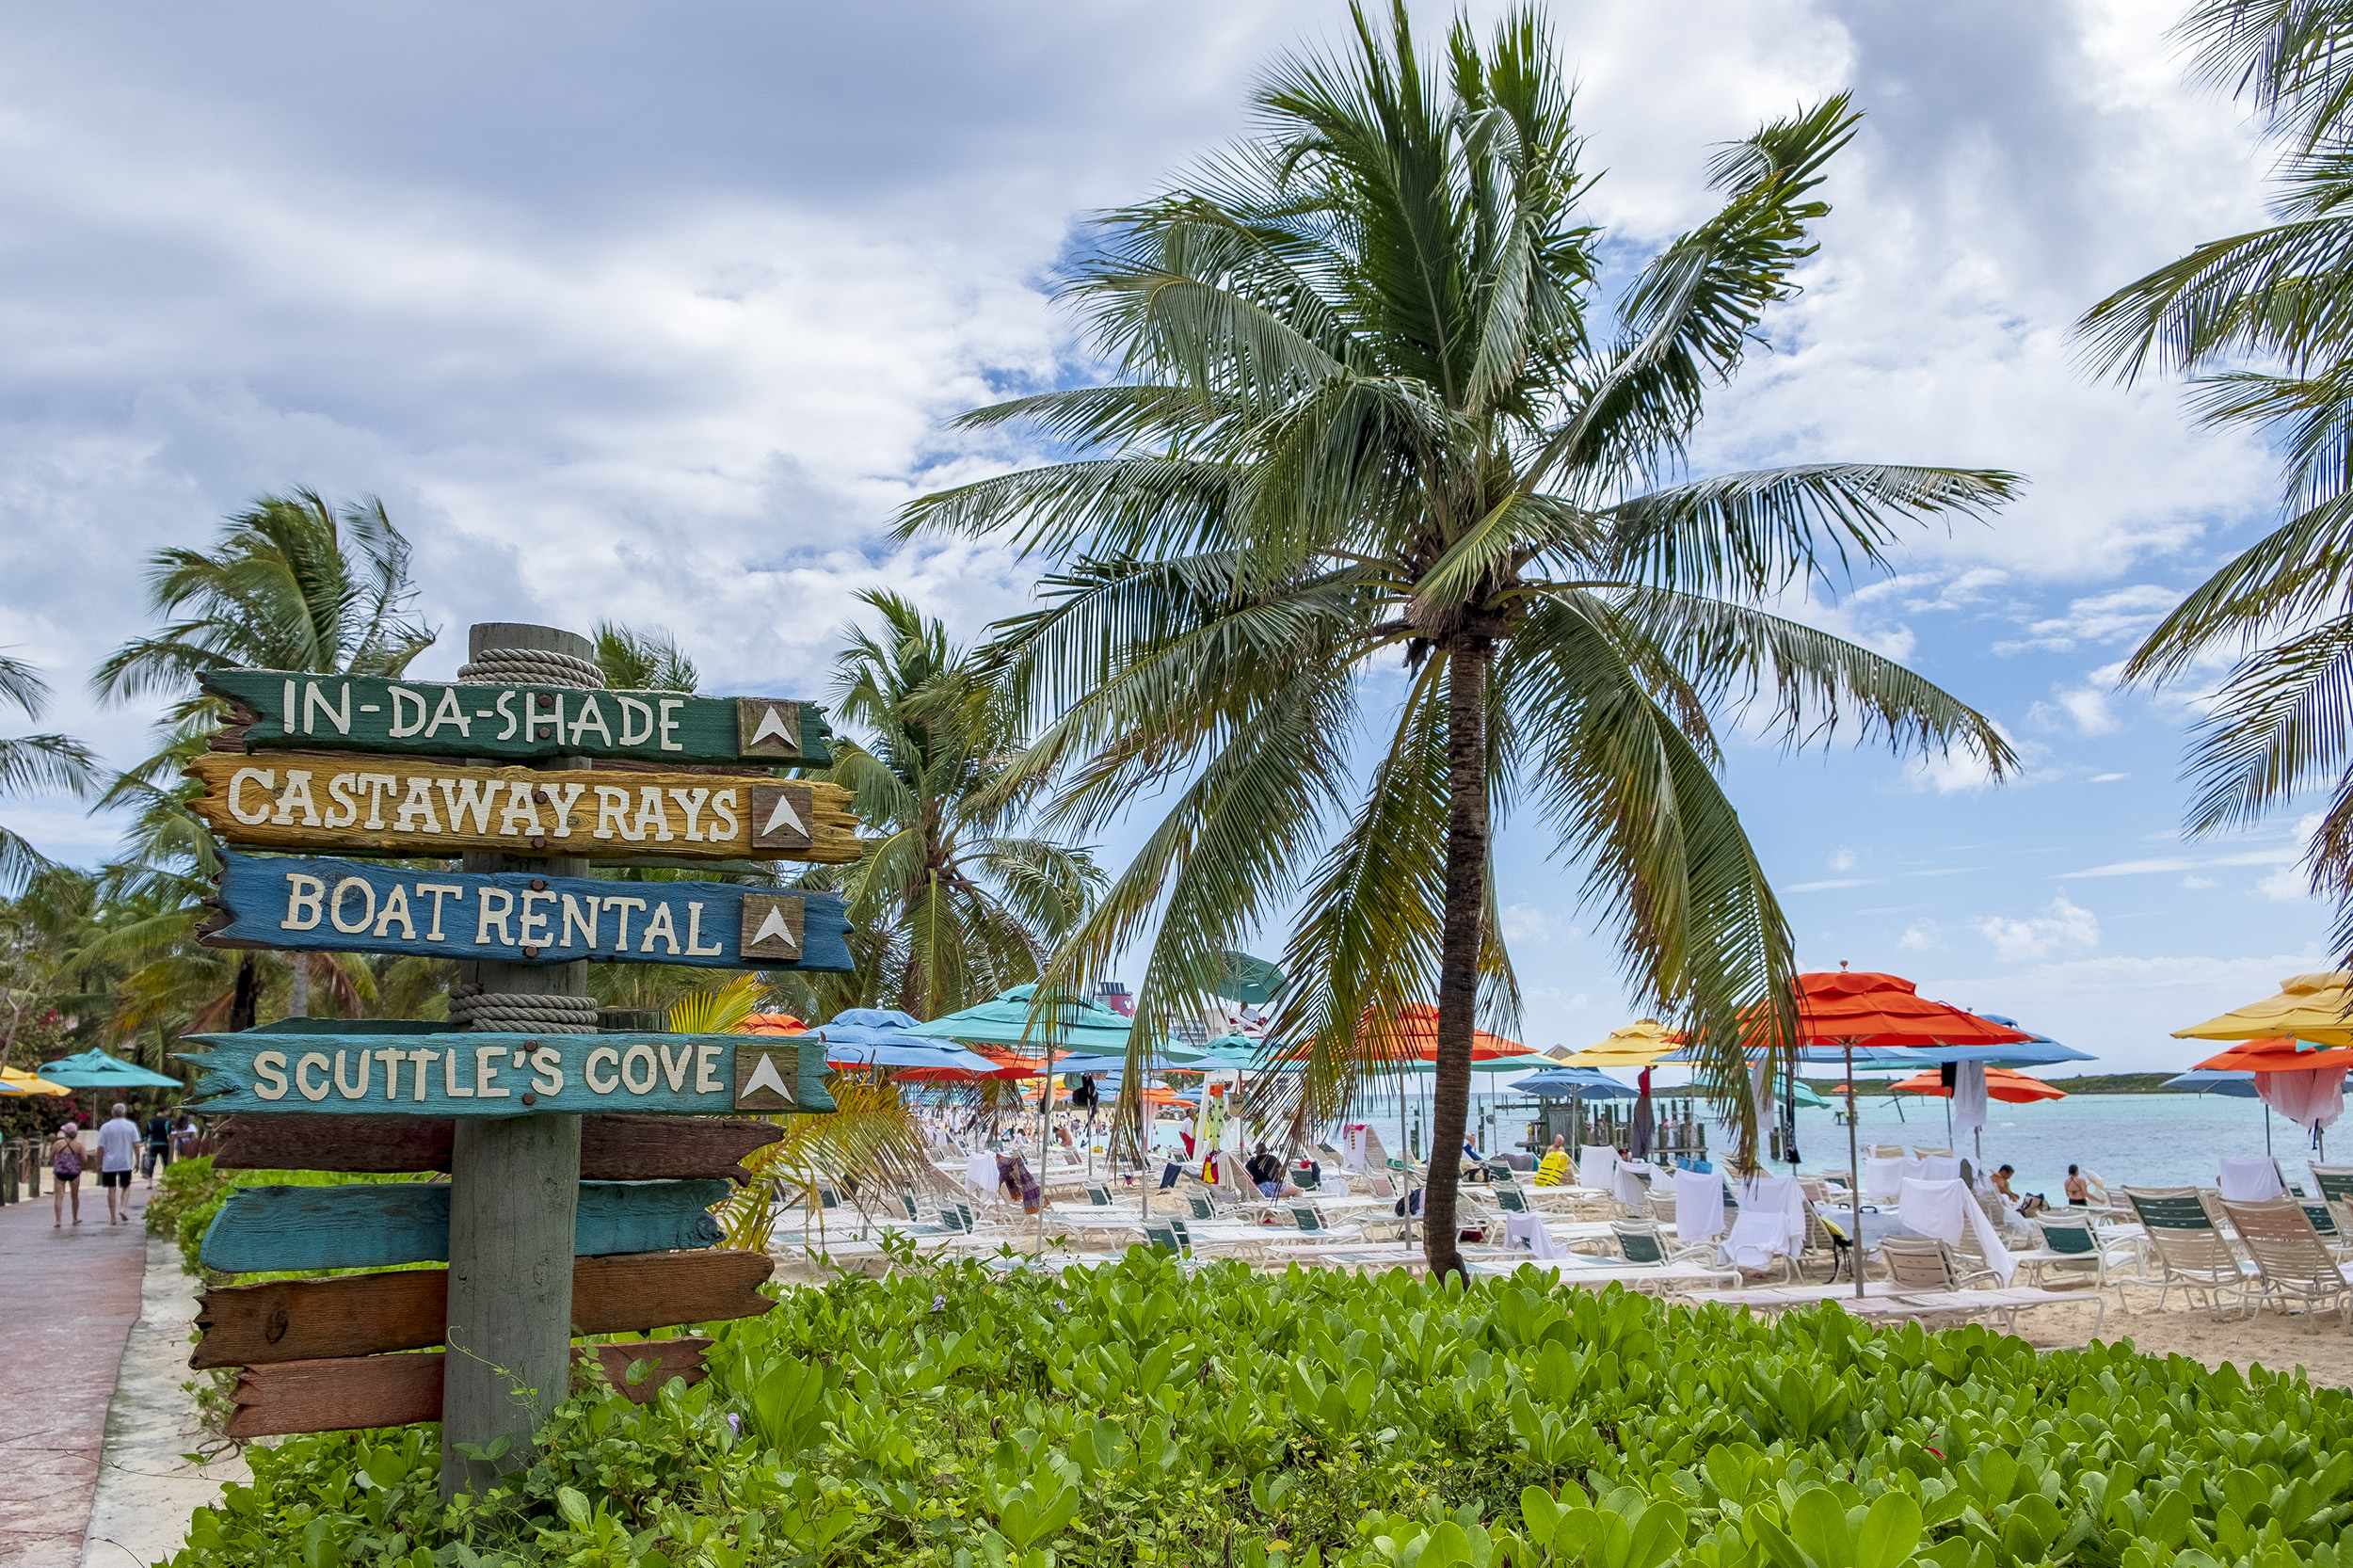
582	1164
283	709
516	918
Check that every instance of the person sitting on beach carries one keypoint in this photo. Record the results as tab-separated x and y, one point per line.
2078	1189
1553	1170
1266	1174
2026	1204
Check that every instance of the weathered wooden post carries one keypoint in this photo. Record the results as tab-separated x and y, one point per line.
514	1181
582	1167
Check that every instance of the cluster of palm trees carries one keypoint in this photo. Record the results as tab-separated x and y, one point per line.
951	907
1380	533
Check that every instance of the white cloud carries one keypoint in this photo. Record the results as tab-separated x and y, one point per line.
2020	940
1920	937
2105	617
2084	707
1829	882
2188	862
1842	859
1526	923
2195	884
2289	884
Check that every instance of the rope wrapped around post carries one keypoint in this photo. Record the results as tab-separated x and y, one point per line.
520	1012
530	667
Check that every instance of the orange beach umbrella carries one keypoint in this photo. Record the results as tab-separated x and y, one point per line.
2007	1084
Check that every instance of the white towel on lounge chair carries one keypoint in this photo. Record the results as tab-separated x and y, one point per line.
1783	1199
1940	1209
1596	1168
2249	1180
1881	1174
1629	1189
1528	1230
1699	1206
980	1172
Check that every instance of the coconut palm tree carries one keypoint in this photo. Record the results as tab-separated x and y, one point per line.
1368	416
642	661
295	584
948	905
2262	325
33	762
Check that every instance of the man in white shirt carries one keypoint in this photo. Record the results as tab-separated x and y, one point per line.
118	1156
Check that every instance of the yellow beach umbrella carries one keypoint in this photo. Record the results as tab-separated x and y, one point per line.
2314	1007
1636	1044
14	1080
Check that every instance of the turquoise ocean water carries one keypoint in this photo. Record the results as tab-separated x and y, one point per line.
2144	1140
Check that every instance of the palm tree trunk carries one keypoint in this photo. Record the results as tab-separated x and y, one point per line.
246	996
1458	955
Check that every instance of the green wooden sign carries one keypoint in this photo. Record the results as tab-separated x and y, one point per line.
376	1225
430	718
467	1073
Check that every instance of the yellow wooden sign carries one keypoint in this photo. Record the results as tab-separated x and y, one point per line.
383	802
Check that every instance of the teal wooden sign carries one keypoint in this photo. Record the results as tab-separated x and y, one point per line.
376	1225
344	906
469	1074
320	713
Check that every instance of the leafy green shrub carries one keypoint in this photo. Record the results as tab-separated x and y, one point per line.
960	1418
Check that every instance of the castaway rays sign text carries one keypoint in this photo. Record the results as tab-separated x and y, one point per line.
421	809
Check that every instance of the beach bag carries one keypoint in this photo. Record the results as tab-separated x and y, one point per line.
68	1162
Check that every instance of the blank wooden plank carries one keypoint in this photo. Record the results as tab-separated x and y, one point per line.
612	1148
308	1320
284	708
261	1073
356	1393
522	916
368	1225
392	803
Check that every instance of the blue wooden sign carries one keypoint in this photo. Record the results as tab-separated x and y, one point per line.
344	907
466	1074
376	1225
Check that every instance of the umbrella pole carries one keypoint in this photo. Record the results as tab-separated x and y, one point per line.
1045	1136
1854	1179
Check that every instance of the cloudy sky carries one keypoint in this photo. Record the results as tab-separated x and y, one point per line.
657	314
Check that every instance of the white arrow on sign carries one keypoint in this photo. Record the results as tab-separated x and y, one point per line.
773	926
765	1076
784	816
771	725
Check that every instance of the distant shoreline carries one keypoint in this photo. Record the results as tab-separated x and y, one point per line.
2088	1084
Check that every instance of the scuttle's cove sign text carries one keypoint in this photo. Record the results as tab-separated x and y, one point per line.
468	1073
364	713
514	917
421	809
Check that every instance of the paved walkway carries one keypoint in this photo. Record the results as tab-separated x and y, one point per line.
68	1300
147	1488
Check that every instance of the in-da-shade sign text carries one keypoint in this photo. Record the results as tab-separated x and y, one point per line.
467	1074
432	718
417	809
344	906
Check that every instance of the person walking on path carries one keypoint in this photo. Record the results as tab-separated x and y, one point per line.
158	1144
118	1156
184	1137
65	1164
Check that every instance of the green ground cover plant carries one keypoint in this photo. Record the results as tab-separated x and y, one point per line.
1146	1414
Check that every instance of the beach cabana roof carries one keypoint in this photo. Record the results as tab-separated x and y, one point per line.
1072	1025
1582	1082
2001	1083
94	1069
2206	1081
2309	1007
1635	1045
